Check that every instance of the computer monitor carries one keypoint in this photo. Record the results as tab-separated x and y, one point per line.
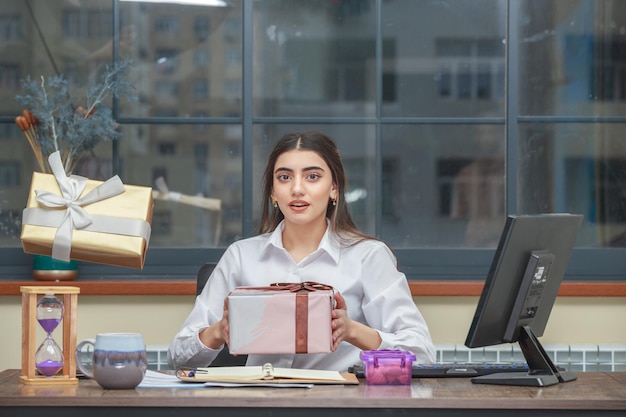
519	292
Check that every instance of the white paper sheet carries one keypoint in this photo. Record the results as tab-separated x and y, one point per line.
154	379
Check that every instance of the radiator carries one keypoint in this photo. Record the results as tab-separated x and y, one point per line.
578	358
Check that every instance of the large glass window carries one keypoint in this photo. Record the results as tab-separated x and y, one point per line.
449	115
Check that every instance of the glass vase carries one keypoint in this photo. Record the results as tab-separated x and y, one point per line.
46	268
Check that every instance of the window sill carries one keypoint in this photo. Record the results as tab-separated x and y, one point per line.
474	288
188	287
112	287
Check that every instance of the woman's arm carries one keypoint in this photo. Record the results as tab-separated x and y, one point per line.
351	331
205	330
388	306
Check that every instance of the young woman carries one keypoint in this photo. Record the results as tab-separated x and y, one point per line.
307	234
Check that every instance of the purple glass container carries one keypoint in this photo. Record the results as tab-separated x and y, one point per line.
388	367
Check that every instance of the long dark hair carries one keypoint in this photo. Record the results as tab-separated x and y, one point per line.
340	219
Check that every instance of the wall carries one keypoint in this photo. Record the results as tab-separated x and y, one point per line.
574	320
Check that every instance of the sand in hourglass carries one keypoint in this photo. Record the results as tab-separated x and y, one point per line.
49	324
49	367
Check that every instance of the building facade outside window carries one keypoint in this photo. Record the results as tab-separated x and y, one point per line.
449	115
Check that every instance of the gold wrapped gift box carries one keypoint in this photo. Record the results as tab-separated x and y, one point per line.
136	202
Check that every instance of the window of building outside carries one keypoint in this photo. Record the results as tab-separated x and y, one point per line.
413	92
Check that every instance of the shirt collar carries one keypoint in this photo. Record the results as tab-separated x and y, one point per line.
330	241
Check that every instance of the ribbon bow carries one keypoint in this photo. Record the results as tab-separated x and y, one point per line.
292	286
298	286
75	216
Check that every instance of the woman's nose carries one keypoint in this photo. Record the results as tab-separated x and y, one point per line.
297	187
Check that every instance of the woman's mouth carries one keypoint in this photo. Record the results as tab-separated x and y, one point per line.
298	205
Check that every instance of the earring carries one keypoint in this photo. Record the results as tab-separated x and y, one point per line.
334	200
274	202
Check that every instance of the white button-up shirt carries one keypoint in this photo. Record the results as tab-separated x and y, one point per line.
365	274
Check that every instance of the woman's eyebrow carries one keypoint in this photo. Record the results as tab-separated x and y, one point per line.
311	168
283	169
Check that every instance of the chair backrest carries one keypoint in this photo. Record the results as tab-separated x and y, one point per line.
204	273
224	358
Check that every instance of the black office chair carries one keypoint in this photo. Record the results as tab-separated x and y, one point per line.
224	358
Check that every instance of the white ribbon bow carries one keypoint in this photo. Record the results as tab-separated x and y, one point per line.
75	216
164	191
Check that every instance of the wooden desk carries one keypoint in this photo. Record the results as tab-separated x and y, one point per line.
593	394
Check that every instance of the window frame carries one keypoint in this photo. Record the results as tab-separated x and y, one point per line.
420	264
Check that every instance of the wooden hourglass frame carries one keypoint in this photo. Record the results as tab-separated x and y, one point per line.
29	334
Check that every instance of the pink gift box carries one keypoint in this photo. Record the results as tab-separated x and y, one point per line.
281	318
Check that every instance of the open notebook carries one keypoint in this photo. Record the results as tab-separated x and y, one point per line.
264	374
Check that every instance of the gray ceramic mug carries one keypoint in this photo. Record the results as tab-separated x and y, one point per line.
119	360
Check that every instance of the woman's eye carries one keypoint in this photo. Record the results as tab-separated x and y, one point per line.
313	176
282	177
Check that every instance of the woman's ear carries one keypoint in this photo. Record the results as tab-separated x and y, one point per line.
333	192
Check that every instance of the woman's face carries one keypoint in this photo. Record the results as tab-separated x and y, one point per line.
303	186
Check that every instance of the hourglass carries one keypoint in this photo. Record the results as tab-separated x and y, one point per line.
49	307
49	356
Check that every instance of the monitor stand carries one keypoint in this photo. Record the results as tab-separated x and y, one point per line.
541	370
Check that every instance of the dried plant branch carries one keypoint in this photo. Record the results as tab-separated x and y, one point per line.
52	122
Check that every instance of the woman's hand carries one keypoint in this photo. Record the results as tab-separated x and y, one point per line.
353	332
223	323
339	320
217	334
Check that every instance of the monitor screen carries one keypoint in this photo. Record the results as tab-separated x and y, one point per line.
520	290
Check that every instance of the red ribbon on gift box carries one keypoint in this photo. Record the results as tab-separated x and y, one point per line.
302	290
